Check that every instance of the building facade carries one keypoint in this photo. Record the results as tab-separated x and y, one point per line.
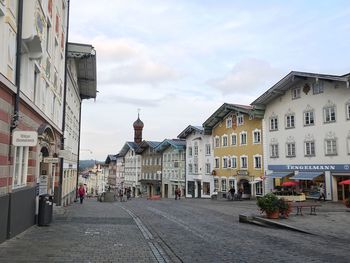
199	162
151	169
238	149
307	133
173	166
111	171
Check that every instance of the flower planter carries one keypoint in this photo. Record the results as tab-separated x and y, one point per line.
273	215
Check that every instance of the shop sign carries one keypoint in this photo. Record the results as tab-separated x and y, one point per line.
242	172
25	138
51	160
310	167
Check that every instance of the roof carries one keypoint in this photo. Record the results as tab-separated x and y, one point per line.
227	108
127	146
145	144
85	56
189	129
111	158
175	143
293	78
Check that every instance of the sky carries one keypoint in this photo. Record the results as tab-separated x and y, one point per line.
178	61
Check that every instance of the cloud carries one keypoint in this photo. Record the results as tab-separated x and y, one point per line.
247	76
131	101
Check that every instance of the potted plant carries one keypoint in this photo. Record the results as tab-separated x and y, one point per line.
347	202
269	204
285	208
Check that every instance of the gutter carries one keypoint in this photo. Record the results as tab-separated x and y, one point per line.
59	201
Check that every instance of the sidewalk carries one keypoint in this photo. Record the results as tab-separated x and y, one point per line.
332	220
91	232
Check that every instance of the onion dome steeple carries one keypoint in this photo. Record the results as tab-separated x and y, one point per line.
138	126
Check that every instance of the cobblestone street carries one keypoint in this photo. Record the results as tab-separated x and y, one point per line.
188	230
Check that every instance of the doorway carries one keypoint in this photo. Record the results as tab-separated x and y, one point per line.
166	190
199	189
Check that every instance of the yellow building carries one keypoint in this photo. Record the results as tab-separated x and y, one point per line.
238	149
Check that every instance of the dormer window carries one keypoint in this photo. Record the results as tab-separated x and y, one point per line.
317	87
240	120
296	93
229	122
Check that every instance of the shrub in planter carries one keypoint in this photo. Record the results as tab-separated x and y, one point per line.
269	204
285	208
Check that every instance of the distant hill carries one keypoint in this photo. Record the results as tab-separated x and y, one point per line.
84	164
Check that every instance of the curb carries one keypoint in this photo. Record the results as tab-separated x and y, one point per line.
261	221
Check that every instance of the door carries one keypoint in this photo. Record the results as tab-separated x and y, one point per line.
199	189
190	186
166	190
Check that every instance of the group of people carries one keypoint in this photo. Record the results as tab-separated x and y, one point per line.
233	196
124	194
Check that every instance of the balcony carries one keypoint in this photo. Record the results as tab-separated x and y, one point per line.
33	28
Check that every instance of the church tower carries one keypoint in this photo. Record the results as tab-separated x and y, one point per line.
138	126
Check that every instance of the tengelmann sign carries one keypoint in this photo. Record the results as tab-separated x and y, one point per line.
310	167
25	138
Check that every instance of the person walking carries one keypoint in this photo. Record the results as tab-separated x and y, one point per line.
81	193
322	194
176	193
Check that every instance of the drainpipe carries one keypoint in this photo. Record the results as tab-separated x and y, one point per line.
59	201
78	159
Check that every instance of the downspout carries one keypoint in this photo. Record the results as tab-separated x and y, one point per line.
64	109
78	159
15	117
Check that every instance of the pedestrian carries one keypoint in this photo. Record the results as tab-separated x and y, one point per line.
322	195
121	195
176	193
240	193
179	193
232	193
81	193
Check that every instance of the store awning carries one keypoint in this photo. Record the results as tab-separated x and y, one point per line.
306	175
278	174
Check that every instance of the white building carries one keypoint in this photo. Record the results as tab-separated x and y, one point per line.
199	162
80	84
173	166
307	132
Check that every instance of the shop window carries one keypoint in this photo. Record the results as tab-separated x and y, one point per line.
216	184
259	188
20	171
206	188
223	185
231	183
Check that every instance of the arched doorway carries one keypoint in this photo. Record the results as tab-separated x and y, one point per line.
246	187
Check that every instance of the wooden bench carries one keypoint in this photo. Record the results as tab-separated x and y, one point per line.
300	205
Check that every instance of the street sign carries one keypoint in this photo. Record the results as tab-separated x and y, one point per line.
51	160
25	138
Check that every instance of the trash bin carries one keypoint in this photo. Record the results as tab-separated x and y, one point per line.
45	209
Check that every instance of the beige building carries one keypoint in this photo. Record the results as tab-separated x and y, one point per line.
238	149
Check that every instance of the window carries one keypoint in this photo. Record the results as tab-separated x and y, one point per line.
216	184
256	136
290	121
207	168
317	87
244	162
233	162
259	188
217	162
309	118
189	151
348	144
229	123
20	167
295	93
195	168
347	111
257	162
273	124
190	168
224	162
243	138
223	184
290	149
309	148
207	149
231	183
233	139
224	141
331	146
274	150
196	150
217	141
329	114
240	120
